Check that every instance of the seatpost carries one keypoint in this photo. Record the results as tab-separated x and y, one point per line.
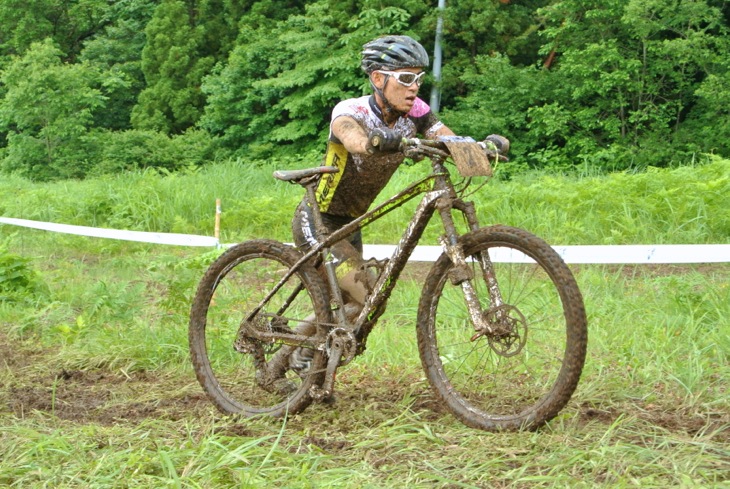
336	300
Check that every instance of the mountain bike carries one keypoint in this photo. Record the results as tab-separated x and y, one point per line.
501	325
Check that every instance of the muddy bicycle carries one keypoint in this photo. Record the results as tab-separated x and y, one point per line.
501	324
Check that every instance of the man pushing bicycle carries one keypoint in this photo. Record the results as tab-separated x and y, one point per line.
395	67
502	342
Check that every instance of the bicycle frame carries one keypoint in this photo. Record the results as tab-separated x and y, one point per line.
438	195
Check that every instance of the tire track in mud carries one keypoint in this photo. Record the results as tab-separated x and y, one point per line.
31	380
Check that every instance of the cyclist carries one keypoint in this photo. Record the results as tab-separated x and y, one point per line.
395	67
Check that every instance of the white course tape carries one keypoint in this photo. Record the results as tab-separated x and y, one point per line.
669	254
585	254
581	254
140	236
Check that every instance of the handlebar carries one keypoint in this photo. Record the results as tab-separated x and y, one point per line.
442	147
438	147
375	140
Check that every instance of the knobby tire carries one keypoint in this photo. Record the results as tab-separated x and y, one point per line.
230	289
524	377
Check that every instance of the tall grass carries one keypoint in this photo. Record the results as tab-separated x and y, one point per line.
651	409
682	205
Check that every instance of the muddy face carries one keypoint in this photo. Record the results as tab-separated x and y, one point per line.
399	96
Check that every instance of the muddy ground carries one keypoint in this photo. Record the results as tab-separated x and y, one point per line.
32	380
31	383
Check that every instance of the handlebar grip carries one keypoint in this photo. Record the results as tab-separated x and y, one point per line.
375	140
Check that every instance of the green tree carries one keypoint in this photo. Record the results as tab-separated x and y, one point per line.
623	81
171	102
185	39
286	74
236	113
629	71
707	127
497	100
47	112
68	22
116	50
478	27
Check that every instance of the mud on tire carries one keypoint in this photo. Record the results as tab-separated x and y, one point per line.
230	289
523	376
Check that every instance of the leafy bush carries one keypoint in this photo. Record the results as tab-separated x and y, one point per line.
629	84
18	281
136	149
47	111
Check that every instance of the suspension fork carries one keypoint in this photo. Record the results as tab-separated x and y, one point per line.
485	263
460	274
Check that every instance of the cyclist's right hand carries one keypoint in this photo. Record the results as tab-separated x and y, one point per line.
383	140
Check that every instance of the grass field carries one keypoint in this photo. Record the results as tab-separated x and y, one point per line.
96	387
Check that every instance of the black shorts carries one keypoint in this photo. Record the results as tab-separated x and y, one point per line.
303	231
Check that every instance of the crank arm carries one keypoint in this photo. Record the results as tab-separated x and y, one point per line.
323	392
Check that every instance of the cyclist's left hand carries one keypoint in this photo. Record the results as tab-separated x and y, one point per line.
501	143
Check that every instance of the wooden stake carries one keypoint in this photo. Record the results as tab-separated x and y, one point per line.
217	232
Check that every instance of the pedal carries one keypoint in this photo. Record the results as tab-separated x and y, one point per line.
321	393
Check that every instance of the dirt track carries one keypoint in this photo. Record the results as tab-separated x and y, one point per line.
30	383
97	396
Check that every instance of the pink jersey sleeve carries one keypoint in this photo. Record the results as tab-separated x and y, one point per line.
419	109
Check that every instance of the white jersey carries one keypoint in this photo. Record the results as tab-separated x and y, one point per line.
362	176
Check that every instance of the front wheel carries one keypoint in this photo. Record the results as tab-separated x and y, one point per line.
240	372
521	366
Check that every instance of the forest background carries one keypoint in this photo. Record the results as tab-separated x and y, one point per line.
90	87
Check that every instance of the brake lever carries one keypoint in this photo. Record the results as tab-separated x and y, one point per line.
415	149
492	152
496	156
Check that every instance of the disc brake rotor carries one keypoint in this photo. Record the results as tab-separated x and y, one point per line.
509	330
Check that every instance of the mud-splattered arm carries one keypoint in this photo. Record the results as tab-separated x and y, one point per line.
351	134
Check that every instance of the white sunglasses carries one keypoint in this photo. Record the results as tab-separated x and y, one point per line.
405	78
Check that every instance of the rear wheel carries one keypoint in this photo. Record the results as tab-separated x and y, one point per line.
522	368
242	374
